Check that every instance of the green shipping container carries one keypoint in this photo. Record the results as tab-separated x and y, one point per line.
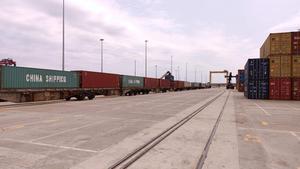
132	82
32	78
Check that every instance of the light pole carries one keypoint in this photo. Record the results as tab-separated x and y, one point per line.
186	69
201	76
101	40
63	37
155	71
195	74
146	50
171	64
178	73
134	67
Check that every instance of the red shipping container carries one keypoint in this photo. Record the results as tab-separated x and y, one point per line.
296	89
99	80
286	88
164	84
280	88
274	88
179	84
151	83
296	43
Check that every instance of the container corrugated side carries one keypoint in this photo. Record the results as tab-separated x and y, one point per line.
33	78
195	84
274	91
285	88
285	66
179	84
187	84
281	88
274	66
275	44
296	88
296	66
296	43
164	84
132	81
90	79
263	67
285	43
151	83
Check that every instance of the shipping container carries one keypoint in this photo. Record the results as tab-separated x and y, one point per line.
277	43
274	88
296	66
281	88
285	88
296	43
195	85
251	69
256	89
151	83
285	66
90	79
241	75
187	84
296	88
257	69
132	82
256	84
164	84
275	66
32	78
240	80
178	84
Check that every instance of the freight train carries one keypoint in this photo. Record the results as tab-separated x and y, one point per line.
22	84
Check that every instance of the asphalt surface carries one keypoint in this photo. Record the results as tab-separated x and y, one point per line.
252	134
62	135
268	133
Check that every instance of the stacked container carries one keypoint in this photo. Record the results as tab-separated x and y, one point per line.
240	80
283	50
256	82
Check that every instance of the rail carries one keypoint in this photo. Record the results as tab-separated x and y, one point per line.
136	154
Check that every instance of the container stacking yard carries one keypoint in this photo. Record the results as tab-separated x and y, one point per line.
280	54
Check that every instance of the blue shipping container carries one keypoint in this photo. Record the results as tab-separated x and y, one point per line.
257	79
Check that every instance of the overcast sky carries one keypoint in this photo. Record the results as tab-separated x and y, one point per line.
206	34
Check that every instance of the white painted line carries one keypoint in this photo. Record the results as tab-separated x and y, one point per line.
267	113
65	131
294	134
51	145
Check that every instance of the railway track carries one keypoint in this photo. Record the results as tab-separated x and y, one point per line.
136	154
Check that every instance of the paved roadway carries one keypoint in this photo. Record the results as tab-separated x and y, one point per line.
61	135
253	134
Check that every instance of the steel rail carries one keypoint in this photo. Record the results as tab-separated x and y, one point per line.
212	134
133	156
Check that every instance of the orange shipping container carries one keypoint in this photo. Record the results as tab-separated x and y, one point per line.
285	66
296	66
274	66
277	43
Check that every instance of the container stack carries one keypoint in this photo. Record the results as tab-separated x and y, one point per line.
283	50
240	80
256	82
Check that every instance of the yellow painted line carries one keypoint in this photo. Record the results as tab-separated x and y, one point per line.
12	127
264	123
250	138
51	121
